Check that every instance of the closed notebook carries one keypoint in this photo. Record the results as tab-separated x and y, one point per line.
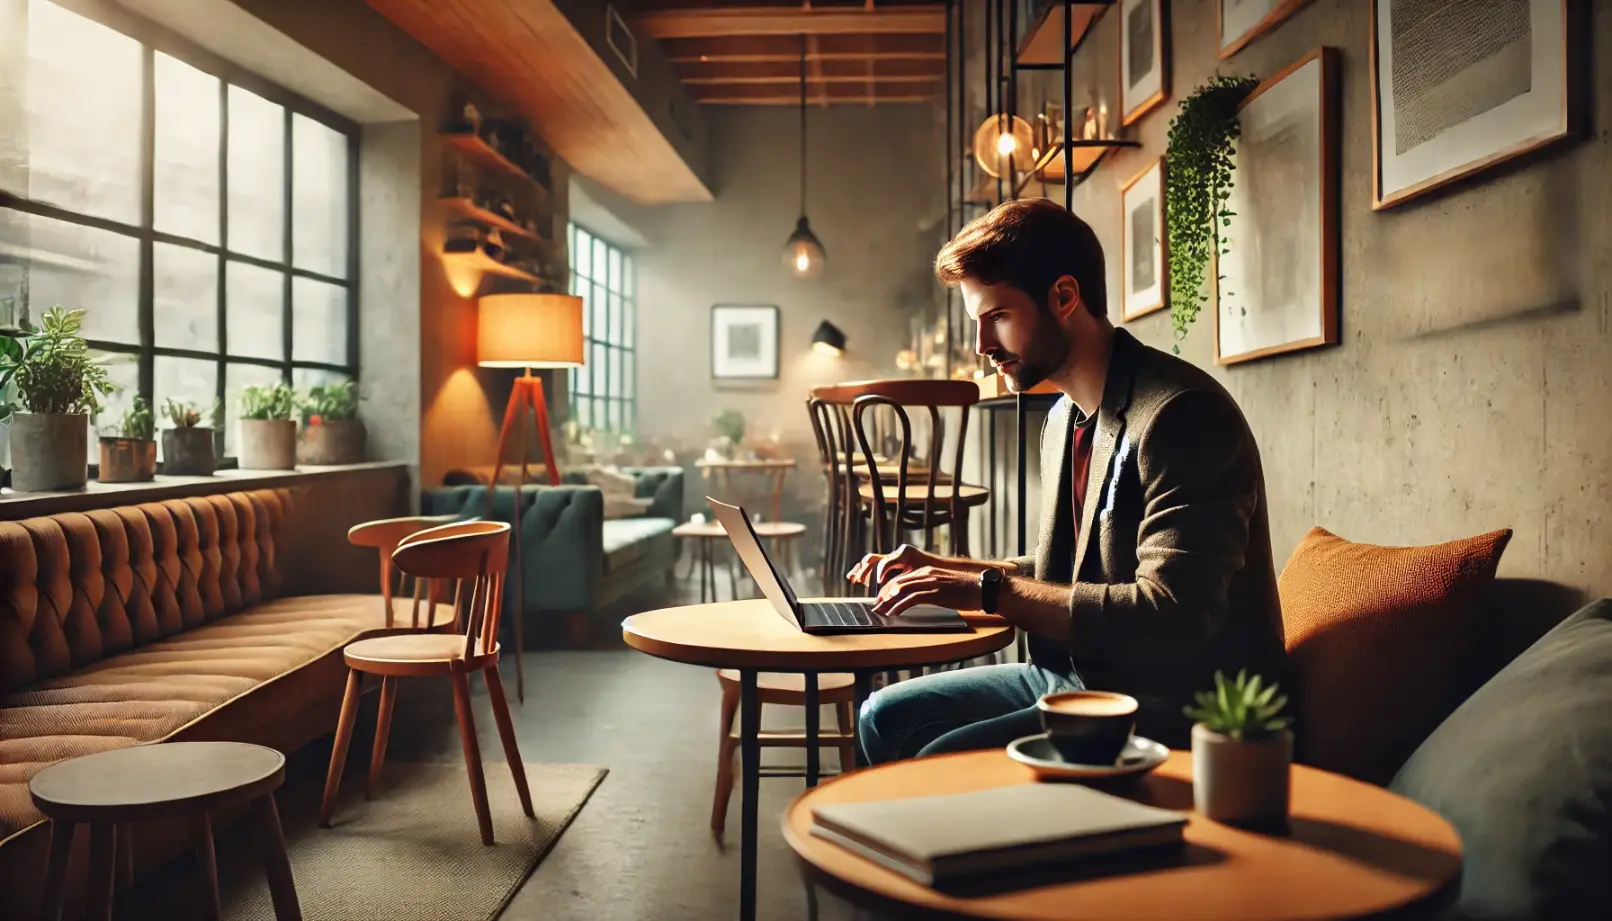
934	839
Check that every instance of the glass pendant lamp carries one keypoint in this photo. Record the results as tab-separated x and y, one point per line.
803	253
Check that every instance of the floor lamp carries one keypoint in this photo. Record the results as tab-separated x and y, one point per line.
526	331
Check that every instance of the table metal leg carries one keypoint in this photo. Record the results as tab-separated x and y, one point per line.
750	775
813	717
863	690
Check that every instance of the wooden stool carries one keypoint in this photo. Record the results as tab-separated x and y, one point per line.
474	554
127	785
786	690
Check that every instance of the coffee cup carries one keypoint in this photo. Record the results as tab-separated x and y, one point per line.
1088	727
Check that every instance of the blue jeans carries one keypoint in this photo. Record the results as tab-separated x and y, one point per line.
983	707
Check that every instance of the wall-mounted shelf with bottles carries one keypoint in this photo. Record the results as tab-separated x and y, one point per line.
495	196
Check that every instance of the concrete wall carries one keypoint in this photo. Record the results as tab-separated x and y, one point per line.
457	406
1472	387
874	198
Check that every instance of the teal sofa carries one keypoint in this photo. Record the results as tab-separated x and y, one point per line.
575	561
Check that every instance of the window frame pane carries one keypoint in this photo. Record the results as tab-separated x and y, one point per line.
147	344
603	393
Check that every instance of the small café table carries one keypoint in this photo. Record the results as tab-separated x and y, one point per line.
1350	850
751	637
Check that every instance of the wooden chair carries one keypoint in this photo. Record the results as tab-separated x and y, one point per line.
908	493
384	535
474	554
785	690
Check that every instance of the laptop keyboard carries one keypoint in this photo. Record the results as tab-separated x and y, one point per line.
841	614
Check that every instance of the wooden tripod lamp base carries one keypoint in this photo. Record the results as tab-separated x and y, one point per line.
526	401
526	331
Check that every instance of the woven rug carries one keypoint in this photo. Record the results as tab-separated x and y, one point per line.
413	852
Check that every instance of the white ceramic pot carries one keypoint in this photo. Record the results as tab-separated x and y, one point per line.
1241	783
268	444
49	451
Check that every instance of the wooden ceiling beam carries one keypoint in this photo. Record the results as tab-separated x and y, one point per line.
714	72
820	56
733	21
794	79
891	99
787	47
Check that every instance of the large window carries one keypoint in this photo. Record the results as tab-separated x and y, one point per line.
604	394
204	219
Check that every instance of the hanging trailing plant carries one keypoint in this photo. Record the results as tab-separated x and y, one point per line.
1199	163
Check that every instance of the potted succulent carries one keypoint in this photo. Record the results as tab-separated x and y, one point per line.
56	387
332	433
1241	751
187	448
268	433
128	450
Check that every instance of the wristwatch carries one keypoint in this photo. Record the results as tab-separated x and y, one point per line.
990	586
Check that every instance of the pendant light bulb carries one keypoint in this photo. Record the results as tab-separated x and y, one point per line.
803	252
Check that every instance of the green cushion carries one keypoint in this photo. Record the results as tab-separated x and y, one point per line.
627	539
1523	770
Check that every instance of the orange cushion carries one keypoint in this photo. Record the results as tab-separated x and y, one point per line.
1377	641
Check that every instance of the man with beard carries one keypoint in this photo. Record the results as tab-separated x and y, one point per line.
1153	566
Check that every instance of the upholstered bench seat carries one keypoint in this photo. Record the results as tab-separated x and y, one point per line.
150	692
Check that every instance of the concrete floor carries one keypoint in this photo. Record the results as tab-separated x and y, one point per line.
641	848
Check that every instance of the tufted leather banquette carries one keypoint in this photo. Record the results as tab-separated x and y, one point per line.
153	622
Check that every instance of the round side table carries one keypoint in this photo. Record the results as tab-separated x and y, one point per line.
750	637
1351	850
127	785
784	536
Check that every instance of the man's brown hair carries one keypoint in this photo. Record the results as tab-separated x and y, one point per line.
1028	244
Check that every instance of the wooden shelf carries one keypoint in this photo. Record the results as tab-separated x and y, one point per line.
468	210
1084	158
480	260
1039	49
478	150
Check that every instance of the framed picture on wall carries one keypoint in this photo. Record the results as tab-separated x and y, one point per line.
1459	87
1278	289
1242	21
1144	57
744	342
1142	247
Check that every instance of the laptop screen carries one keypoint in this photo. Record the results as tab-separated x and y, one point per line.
737	523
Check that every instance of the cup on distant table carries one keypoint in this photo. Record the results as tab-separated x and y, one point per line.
1088	727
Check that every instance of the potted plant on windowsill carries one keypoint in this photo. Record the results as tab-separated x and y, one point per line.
57	385
1241	752
332	433
268	433
128	450
187	448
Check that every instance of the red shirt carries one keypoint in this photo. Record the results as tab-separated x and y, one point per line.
1080	454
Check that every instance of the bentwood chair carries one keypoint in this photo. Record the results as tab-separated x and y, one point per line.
474	555
384	535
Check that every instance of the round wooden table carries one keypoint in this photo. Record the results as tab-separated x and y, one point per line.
751	637
1351	850
170	779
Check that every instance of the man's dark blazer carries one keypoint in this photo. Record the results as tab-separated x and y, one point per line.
1174	556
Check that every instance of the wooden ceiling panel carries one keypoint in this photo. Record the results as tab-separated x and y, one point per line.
770	48
860	92
529	56
857	51
696	22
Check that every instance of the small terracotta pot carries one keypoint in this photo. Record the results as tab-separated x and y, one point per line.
1241	783
188	452
334	441
268	444
128	460
49	451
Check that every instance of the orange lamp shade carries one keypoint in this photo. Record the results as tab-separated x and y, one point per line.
529	331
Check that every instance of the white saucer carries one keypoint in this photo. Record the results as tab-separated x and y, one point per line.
1036	752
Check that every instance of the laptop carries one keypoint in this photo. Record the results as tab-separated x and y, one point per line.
843	615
